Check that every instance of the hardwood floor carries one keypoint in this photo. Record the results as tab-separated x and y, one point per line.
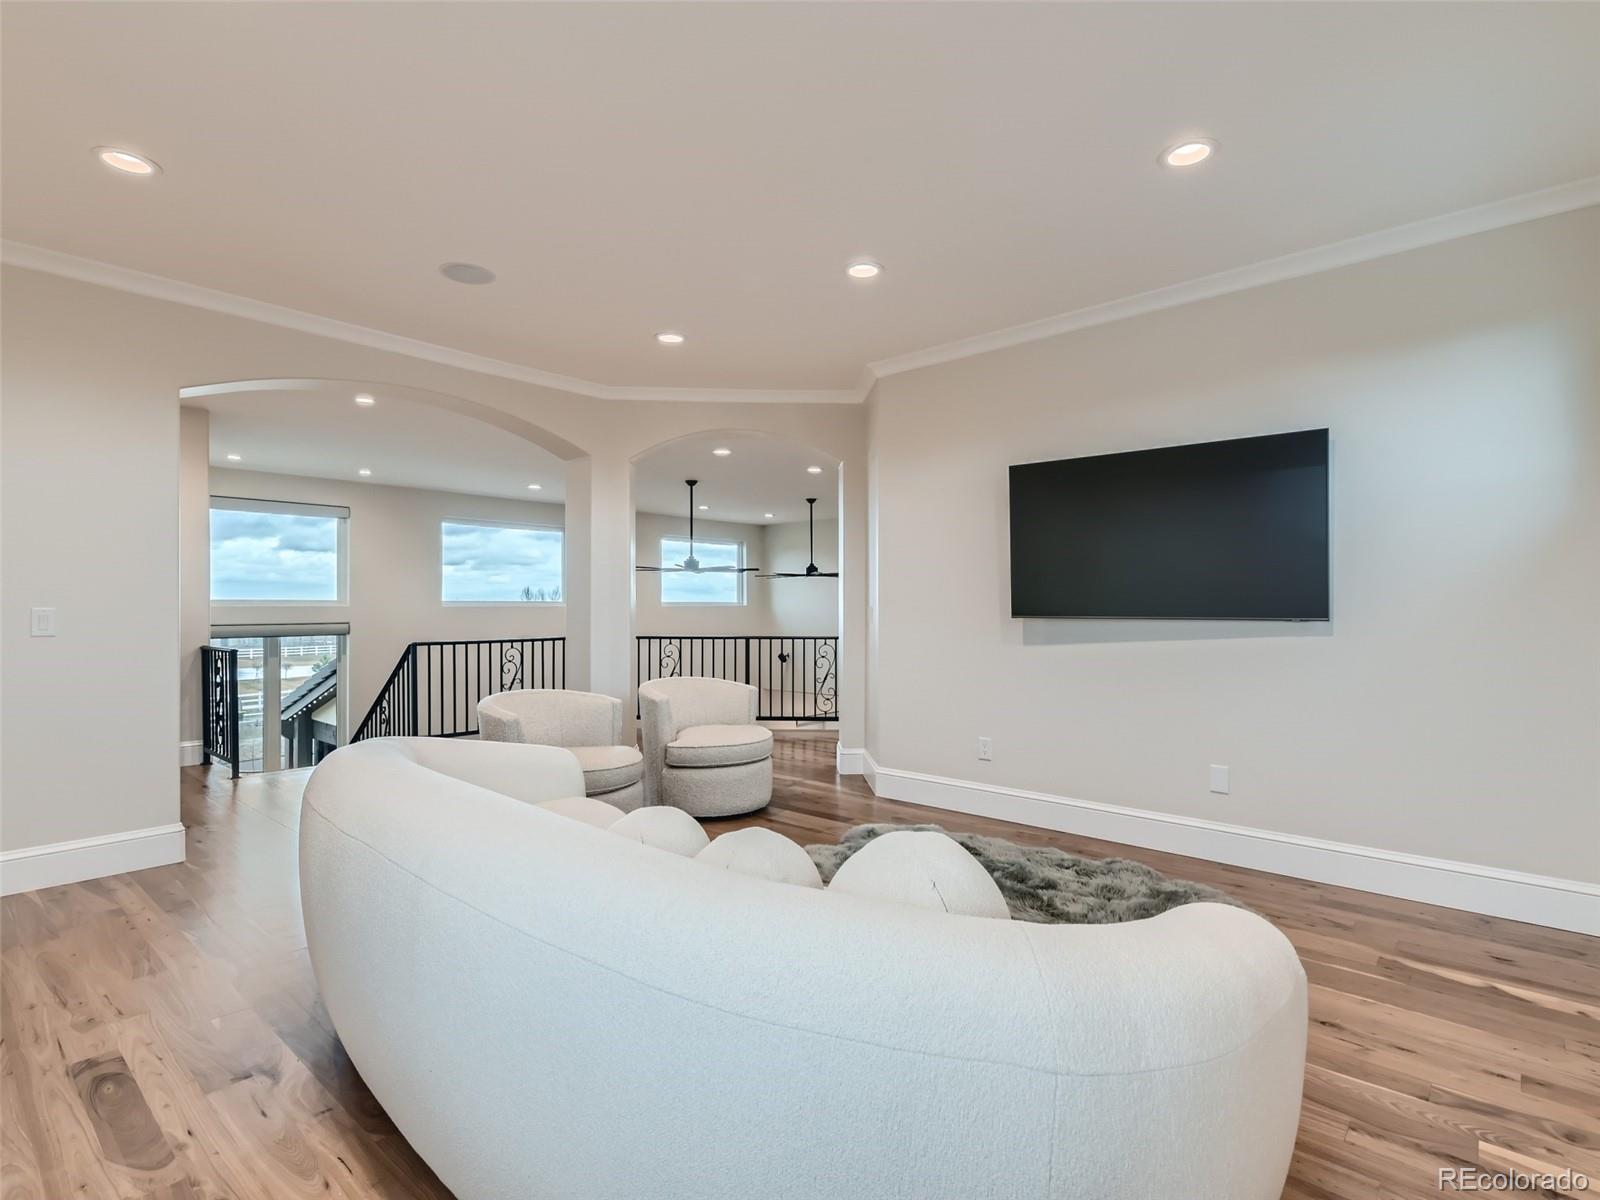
161	1033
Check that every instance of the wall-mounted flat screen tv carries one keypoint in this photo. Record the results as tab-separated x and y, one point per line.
1234	530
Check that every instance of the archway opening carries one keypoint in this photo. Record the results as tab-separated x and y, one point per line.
755	596
375	558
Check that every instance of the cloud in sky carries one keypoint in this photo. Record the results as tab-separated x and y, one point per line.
273	556
486	562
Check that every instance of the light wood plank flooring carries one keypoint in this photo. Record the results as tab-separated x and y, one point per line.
162	1036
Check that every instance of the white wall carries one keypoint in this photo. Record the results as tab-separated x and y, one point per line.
394	572
1452	706
802	607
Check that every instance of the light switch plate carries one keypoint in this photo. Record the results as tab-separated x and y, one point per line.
1219	779
41	622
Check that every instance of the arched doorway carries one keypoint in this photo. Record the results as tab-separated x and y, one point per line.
374	557
755	594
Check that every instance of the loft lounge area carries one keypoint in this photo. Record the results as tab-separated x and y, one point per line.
631	601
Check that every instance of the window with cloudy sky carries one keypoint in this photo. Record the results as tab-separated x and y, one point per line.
500	564
687	587
276	556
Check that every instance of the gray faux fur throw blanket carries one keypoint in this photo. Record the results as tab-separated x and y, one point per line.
1050	886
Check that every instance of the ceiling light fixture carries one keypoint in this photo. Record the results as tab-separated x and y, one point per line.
365	399
705	508
233	458
127	161
722	452
670	339
1188	154
472	273
863	268
364	471
814	470
766	516
536	487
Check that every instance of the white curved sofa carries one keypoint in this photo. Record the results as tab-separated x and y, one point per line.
549	1010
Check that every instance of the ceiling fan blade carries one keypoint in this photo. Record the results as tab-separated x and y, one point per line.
657	570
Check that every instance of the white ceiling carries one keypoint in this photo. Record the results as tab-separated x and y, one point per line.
763	474
323	433
319	431
710	168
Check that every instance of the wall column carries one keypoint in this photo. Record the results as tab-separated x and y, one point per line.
194	572
852	665
599	592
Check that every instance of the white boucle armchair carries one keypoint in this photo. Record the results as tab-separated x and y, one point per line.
587	723
703	751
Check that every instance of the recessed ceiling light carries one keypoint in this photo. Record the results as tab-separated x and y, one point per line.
365	399
863	268
364	471
814	470
670	339
705	508
1188	154
536	487
233	458
767	516
127	161
466	273
722	452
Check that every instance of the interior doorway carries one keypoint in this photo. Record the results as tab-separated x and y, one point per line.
737	570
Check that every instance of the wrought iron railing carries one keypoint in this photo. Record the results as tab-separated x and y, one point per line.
434	689
797	677
219	713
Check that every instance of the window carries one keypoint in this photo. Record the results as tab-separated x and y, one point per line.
686	587
273	552
500	564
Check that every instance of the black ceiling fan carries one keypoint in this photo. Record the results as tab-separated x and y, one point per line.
811	571
691	565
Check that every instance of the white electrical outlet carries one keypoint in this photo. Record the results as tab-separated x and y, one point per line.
1219	779
985	749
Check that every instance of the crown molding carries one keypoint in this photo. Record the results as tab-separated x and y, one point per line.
1567	197
158	287
1531	206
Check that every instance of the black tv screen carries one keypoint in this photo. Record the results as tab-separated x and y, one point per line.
1234	530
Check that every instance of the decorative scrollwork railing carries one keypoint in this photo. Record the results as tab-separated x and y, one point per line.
797	677
219	714
434	689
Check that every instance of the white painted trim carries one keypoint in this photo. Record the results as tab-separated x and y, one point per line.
1566	197
191	754
1539	899
89	858
1550	202
159	287
849	762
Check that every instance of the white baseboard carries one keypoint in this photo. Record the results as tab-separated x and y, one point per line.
191	754
89	858
1496	892
849	762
